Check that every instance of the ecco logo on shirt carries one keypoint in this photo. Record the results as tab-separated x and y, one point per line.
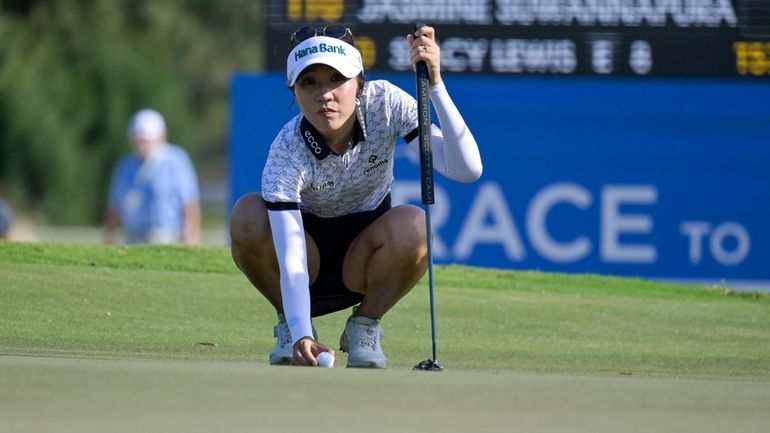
313	143
374	164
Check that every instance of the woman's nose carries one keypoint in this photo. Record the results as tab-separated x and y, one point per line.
325	93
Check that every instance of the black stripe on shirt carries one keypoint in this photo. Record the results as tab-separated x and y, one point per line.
279	205
411	136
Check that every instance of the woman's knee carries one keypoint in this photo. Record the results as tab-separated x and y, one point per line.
407	229
248	221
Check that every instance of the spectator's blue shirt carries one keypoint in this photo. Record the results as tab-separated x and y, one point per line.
6	218
149	195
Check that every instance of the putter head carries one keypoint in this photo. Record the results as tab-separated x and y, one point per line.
428	365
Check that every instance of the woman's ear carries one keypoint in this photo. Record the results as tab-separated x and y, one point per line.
361	82
293	96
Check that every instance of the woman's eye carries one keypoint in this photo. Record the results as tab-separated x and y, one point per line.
338	77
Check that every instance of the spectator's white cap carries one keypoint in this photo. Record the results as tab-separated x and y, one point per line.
147	124
336	53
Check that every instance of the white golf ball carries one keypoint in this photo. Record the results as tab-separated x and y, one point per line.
325	359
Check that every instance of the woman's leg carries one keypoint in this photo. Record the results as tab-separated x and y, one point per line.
253	251
383	263
387	259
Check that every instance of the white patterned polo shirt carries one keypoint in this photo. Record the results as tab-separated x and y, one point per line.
301	171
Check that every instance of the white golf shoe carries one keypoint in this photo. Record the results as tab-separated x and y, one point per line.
284	351
361	340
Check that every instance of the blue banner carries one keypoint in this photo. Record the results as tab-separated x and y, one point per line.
657	178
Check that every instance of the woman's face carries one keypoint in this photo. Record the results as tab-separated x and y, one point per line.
327	99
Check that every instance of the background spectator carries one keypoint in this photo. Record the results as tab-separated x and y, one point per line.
154	192
6	220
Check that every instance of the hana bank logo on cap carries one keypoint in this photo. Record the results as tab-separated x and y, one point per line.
336	53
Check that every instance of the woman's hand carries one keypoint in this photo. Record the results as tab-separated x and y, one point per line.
306	350
423	47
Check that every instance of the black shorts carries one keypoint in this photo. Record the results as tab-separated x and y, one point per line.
333	237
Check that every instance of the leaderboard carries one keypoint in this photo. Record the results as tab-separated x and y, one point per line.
676	38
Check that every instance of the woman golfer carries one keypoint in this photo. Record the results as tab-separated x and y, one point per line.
322	235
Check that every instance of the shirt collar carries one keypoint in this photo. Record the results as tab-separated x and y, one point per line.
315	142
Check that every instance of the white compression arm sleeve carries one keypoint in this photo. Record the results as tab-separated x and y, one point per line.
455	152
289	241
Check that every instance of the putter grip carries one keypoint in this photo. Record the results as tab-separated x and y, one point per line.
423	129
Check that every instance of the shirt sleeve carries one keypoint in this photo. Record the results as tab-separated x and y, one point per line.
403	111
188	179
283	176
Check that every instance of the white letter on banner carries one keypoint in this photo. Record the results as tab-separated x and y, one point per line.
730	258
696	230
613	224
489	202
537	215
411	192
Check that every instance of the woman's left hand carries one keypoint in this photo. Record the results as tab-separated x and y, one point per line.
423	47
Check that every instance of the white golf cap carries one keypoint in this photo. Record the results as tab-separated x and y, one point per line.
336	53
147	124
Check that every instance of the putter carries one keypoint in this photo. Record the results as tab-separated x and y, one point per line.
426	184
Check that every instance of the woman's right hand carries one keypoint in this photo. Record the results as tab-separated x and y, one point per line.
306	350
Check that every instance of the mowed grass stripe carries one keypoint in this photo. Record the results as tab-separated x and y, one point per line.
162	302
87	395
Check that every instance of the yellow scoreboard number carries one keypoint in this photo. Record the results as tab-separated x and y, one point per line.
330	11
368	50
752	58
315	10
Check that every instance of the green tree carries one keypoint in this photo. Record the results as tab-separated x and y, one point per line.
72	72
